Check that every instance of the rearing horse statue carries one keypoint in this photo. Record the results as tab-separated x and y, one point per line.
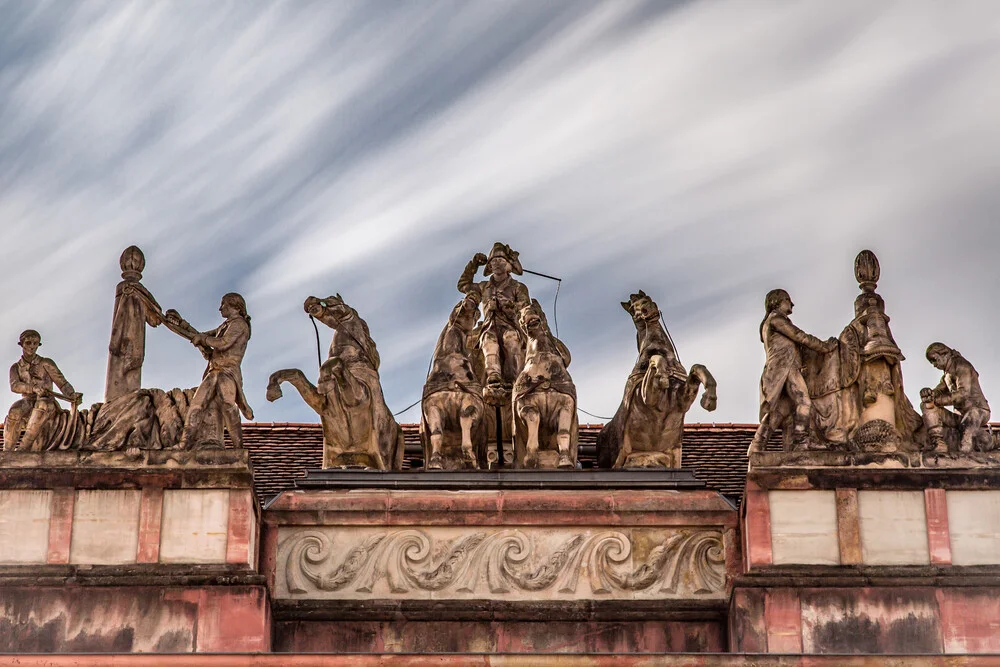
358	428
452	425
647	429
544	398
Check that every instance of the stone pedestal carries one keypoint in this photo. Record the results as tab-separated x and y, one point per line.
107	552
500	562
870	553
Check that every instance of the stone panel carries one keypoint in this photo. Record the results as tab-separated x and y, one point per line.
870	620
893	528
24	526
804	527
195	525
974	527
526	563
105	527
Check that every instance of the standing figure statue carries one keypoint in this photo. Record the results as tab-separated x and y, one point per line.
37	412
544	399
784	393
452	424
219	399
358	428
648	427
967	428
135	307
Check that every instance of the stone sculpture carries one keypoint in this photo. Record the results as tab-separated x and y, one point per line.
849	394
784	393
44	422
452	424
134	308
502	298
358	428
544	398
219	399
967	428
647	429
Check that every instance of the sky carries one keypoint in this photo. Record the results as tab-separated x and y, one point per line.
705	152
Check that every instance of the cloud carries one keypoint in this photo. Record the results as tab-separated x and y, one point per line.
703	151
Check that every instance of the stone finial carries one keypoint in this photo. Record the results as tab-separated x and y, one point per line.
132	262
866	270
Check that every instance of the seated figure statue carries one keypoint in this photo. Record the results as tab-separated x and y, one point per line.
36	412
966	428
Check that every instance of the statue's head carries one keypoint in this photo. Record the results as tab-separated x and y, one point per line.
233	305
29	340
778	300
939	355
641	307
502	261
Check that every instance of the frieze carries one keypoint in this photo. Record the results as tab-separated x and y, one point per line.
519	563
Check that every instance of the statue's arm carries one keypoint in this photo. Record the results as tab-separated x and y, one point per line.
58	378
18	386
784	326
235	333
466	281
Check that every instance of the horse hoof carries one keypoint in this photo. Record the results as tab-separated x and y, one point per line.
435	463
565	461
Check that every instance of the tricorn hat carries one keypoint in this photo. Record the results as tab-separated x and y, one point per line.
505	251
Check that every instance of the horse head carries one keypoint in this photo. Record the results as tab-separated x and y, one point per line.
641	307
330	311
466	313
533	322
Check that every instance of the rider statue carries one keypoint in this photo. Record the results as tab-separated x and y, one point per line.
502	298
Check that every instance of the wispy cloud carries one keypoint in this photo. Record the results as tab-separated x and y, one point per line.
703	151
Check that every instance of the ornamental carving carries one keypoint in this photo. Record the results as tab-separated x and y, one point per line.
508	564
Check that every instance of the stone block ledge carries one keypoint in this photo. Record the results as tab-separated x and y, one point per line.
498	610
863	576
200	468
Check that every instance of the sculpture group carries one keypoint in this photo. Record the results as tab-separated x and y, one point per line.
498	392
846	393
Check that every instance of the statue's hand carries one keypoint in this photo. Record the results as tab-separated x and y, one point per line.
77	397
926	395
832	344
480	259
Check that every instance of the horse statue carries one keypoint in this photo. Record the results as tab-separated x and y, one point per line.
452	424
358	428
647	429
544	398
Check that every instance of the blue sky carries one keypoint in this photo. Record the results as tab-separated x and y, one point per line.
705	152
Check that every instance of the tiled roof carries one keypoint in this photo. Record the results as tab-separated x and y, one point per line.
283	451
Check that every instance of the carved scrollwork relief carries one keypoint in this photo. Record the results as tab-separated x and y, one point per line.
509	564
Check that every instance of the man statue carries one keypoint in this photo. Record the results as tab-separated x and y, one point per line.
967	428
135	307
32	376
784	391
219	399
502	298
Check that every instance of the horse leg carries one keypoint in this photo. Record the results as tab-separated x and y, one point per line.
529	413
565	423
434	427
466	417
